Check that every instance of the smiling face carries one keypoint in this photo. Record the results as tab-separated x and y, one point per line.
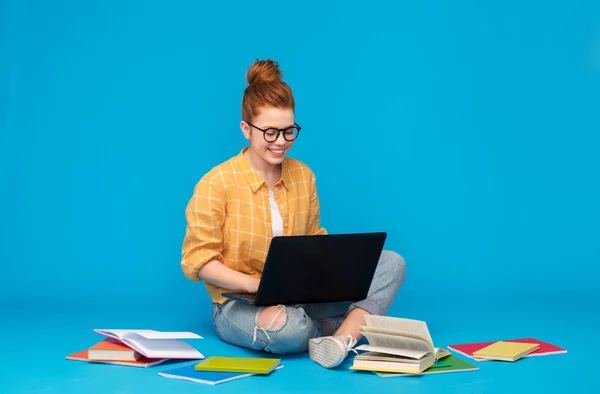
266	154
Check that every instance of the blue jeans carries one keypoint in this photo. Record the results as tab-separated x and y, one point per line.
236	322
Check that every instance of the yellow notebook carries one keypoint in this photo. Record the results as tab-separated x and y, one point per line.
506	351
257	365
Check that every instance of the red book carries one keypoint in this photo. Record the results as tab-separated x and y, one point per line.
112	350
545	349
144	362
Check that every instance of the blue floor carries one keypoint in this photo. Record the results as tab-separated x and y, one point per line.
36	340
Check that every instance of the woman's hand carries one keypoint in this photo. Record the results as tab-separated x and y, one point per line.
252	286
218	274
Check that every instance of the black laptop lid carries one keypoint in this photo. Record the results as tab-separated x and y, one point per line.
319	268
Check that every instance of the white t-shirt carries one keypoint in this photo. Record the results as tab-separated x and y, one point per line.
276	219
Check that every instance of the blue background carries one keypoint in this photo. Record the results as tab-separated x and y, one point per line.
468	132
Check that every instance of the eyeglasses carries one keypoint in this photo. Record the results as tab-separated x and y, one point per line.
272	134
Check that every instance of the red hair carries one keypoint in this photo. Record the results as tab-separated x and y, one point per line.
265	89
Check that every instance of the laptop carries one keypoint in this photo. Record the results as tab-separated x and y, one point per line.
306	269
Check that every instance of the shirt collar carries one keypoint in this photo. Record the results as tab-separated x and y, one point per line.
254	180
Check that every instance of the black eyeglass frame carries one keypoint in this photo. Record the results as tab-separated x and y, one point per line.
264	131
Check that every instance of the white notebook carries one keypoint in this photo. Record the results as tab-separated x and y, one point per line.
156	344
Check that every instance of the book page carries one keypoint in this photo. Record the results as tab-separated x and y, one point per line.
414	354
397	342
374	356
118	334
162	348
148	334
390	331
441	353
399	324
151	334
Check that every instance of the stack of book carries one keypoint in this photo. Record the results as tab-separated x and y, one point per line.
215	370
400	346
507	350
139	348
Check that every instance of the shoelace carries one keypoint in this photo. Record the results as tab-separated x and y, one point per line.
350	344
269	325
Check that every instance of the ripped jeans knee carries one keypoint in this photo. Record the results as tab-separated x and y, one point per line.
272	319
285	329
277	329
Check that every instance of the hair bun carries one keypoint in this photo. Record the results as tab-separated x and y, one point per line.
263	71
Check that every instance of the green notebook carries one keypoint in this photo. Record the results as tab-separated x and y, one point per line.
441	363
456	365
262	366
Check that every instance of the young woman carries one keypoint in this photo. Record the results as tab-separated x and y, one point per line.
237	208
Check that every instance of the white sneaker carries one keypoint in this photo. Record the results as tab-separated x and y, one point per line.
329	352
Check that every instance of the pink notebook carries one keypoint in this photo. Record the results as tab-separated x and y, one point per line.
546	349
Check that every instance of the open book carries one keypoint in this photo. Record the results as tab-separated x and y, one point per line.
396	345
156	344
451	364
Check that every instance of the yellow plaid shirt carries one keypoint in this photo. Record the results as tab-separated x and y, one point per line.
229	216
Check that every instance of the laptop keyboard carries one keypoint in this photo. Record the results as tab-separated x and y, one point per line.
244	296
